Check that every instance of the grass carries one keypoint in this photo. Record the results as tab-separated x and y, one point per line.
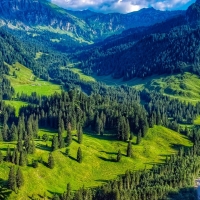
24	83
16	104
197	121
185	87
83	77
98	164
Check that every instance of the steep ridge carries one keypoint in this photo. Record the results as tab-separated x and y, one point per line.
31	13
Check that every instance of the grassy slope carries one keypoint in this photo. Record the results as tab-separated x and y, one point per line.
25	83
182	86
97	166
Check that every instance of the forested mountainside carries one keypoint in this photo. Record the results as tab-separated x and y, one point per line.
89	133
169	47
79	26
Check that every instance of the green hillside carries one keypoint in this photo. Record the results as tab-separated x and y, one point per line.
184	86
24	82
98	166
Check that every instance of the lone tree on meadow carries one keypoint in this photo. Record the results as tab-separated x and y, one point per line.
79	155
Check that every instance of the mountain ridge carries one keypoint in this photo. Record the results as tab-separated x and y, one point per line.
91	26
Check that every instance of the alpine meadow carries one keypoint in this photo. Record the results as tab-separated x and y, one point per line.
99	105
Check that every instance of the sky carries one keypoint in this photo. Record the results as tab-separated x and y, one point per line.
122	6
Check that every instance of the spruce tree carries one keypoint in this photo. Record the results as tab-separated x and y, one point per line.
19	145
69	137
1	157
79	155
1	136
22	159
51	162
139	137
54	145
13	155
80	135
129	149
8	154
12	179
119	155
13	132
19	178
61	142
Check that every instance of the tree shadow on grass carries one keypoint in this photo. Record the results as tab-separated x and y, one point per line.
43	147
72	158
54	193
109	153
107	137
107	159
4	192
101	181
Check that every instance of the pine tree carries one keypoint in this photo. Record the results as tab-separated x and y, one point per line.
5	132
19	178
61	142
22	159
79	155
69	137
19	145
51	162
8	155
1	136
139	137
67	194
129	149
12	179
35	127
80	135
13	132
14	155
119	156
1	157
54	145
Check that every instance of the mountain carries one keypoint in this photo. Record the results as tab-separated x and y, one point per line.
193	14
168	47
81	26
108	24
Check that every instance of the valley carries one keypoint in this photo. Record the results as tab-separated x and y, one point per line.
97	106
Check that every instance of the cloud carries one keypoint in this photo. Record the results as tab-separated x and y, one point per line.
122	6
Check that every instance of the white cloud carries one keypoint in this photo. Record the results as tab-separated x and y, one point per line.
122	6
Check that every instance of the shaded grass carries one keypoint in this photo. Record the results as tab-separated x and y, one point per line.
98	165
24	83
83	77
